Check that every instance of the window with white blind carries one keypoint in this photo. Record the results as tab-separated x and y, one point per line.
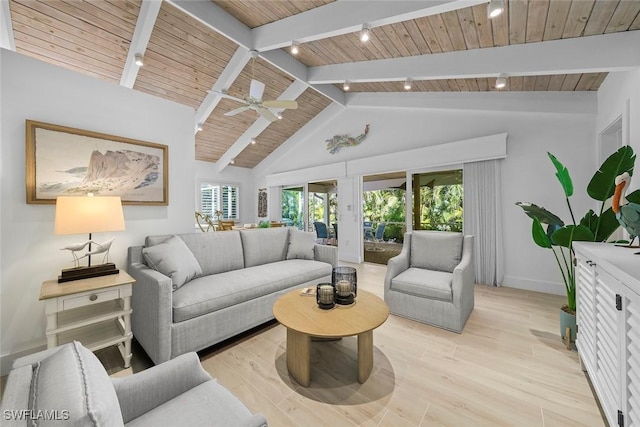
219	197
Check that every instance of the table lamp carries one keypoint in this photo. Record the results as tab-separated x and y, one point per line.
88	214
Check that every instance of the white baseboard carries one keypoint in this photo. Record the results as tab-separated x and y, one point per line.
555	288
7	360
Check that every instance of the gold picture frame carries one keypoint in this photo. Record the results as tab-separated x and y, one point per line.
66	161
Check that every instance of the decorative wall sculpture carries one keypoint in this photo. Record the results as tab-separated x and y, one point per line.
338	141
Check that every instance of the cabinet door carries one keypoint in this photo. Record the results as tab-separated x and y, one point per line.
585	311
607	370
631	356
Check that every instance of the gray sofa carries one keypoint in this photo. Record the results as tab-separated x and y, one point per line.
432	280
224	283
67	385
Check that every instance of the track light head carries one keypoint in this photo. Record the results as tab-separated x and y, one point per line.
501	81
139	59
295	48
407	84
495	8
365	33
345	85
200	127
253	141
279	116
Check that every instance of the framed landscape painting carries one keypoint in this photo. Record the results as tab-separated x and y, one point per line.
63	161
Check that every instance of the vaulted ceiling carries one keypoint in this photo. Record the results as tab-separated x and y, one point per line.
193	50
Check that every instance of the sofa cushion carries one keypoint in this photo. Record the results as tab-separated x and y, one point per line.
73	383
215	252
211	293
173	259
207	404
436	250
424	283
264	245
301	244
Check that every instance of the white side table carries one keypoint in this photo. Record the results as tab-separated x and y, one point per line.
96	312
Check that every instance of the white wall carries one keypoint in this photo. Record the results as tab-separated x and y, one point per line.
527	173
619	95
29	250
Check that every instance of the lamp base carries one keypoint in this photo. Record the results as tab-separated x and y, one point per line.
77	273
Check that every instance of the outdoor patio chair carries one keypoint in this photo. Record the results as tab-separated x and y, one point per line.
321	231
368	230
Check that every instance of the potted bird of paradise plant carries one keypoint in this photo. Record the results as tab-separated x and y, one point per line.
558	236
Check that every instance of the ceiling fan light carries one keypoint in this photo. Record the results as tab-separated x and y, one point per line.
495	8
139	59
295	48
407	84
345	85
365	33
501	81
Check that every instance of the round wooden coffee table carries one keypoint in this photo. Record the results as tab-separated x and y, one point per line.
304	320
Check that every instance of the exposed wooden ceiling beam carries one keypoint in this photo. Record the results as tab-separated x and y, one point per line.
219	20
343	17
294	90
7	41
516	102
224	81
601	53
149	10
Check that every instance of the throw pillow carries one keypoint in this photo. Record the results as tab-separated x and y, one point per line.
301	245
173	259
73	386
436	250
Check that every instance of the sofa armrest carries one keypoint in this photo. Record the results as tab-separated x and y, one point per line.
325	253
32	359
146	390
256	420
464	276
398	263
151	302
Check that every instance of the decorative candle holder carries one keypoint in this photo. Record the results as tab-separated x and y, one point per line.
345	281
325	295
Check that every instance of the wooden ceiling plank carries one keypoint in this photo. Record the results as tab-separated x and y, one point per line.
404	40
518	13
586	81
600	16
44	12
123	10
542	83
514	84
570	82
483	84
344	17
454	30
472	85
440	30
624	16
429	35
555	82
96	16
556	19
416	35
483	26
529	83
467	23
636	24
176	71
145	22
7	41
77	41
598	81
536	20
387	46
500	27
616	51
579	13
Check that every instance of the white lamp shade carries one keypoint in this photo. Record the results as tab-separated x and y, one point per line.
88	214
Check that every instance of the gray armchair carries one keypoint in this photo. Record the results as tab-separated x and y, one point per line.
68	383
432	280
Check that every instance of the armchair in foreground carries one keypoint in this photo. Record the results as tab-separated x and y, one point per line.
432	280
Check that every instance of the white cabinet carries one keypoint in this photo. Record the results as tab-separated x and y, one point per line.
608	318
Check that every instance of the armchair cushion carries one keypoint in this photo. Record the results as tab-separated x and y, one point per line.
173	259
73	382
436	250
424	283
301	245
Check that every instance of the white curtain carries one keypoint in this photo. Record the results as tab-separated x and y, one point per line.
483	219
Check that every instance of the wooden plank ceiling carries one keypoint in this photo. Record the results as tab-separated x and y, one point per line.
185	57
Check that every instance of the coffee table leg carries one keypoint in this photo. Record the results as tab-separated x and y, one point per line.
365	356
299	356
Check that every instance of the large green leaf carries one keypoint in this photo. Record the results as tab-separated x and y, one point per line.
602	184
539	235
540	213
562	173
608	224
568	234
634	197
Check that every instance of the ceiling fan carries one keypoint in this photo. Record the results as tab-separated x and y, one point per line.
254	102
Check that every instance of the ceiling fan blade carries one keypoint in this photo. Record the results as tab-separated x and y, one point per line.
224	95
237	111
267	114
256	89
291	105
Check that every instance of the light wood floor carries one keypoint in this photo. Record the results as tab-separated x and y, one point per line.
508	368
